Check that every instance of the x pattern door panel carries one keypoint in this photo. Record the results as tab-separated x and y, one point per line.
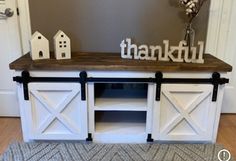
186	112
57	111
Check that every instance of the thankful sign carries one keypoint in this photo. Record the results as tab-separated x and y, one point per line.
178	53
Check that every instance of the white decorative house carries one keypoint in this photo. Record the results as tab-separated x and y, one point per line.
39	47
62	47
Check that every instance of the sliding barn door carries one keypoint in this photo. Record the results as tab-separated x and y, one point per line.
185	113
57	112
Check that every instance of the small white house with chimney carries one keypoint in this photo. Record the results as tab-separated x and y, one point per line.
62	47
39	47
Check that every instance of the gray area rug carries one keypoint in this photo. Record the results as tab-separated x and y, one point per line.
110	152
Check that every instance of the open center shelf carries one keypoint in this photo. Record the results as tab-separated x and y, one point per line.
120	96
120	122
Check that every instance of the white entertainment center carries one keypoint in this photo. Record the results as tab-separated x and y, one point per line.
112	103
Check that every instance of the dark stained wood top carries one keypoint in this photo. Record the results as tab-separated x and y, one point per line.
113	61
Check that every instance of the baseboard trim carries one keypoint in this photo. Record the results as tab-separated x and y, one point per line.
229	103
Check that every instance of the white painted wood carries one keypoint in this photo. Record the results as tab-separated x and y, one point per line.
62	47
120	74
150	99
185	113
25	25
120	128
155	118
10	49
214	22
52	73
39	46
55	112
229	102
9	103
117	138
91	100
135	74
221	38
121	99
141	52
220	29
217	114
228	33
120	131
121	104
24	113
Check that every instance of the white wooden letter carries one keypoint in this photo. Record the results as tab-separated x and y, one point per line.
200	54
143	52
168	53
181	48
132	47
186	52
153	51
123	53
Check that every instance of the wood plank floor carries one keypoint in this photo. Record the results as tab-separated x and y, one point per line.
10	130
227	133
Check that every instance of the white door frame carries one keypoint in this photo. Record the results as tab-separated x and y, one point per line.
24	23
221	40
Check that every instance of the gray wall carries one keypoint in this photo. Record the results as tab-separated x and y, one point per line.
100	25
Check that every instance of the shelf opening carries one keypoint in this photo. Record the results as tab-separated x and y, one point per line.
120	122
121	90
121	96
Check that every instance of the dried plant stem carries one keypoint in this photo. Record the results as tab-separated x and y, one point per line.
195	14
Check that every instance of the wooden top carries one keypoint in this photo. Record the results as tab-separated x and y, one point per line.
113	61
